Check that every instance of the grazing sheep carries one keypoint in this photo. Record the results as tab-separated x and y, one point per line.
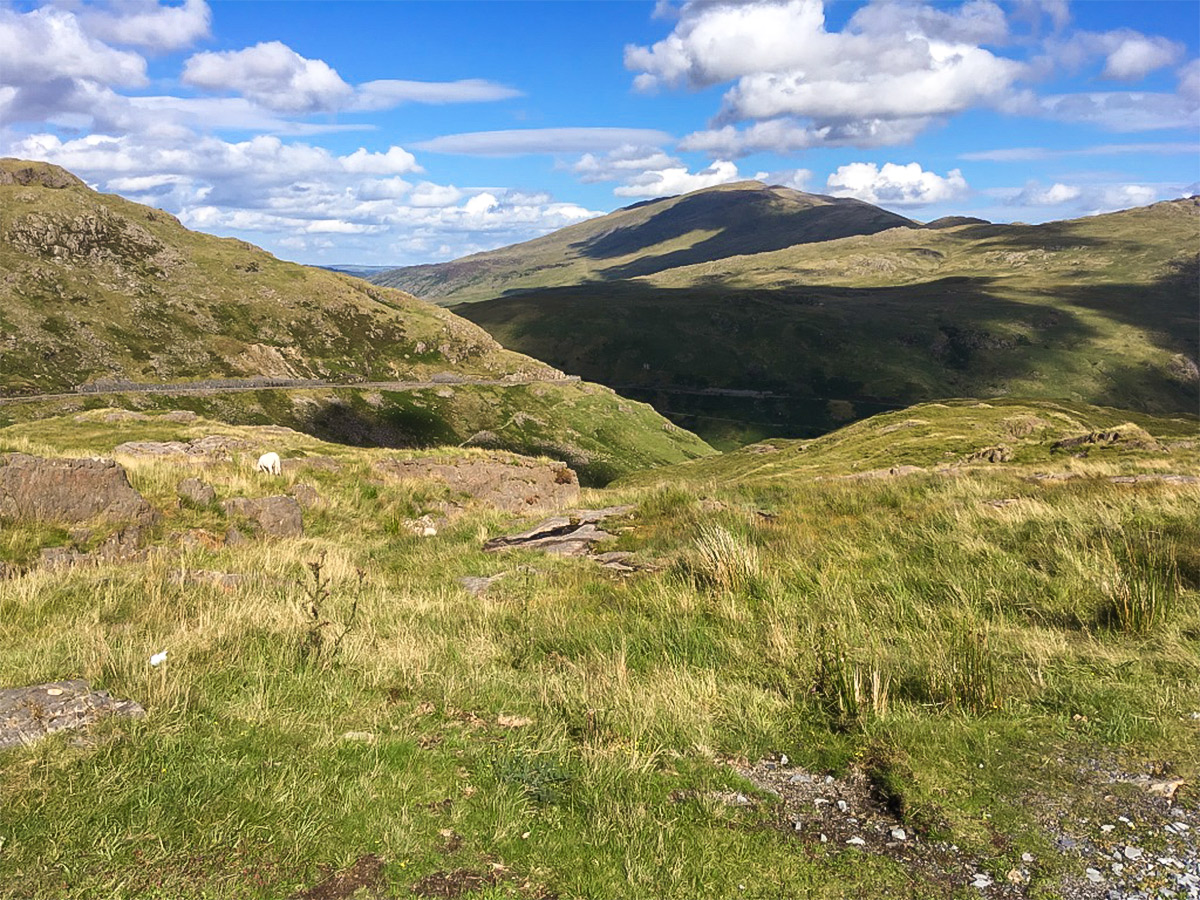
270	464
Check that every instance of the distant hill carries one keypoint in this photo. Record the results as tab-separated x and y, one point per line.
649	237
97	292
357	271
804	338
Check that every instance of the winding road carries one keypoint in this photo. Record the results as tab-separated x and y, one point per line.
235	387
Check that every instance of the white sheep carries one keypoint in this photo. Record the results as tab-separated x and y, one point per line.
270	464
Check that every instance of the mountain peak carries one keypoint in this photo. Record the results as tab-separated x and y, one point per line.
40	174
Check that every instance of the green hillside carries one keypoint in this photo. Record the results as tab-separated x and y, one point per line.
99	292
652	236
957	437
813	686
797	341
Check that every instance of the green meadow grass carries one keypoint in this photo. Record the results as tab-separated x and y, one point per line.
966	656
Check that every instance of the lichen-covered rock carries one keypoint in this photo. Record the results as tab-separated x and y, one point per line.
991	455
30	713
275	516
306	495
68	490
201	493
217	447
121	546
508	482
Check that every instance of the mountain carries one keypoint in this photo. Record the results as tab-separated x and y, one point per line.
99	293
802	339
648	237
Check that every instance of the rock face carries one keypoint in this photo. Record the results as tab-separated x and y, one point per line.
37	173
68	490
30	713
275	516
510	483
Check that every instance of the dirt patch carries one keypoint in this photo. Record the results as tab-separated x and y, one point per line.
849	814
457	883
364	881
461	882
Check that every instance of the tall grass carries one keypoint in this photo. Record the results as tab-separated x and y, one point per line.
725	561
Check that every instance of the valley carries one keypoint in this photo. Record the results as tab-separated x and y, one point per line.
1102	310
499	627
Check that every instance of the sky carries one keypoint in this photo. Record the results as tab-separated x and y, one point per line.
395	133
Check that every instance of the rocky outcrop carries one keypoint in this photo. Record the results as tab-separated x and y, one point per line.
196	492
571	534
306	495
122	546
68	490
30	713
36	174
507	482
991	455
1129	436
274	516
217	447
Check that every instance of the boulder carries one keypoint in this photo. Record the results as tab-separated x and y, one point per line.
991	455
508	482
68	490
30	713
275	516
306	495
197	492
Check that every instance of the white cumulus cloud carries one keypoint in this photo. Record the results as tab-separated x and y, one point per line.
890	73
272	74
1055	195
895	185
48	45
1135	56
677	180
148	24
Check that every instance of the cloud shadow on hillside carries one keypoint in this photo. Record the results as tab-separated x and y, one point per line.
828	354
750	221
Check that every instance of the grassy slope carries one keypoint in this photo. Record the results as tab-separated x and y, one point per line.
600	435
714	223
240	784
95	287
943	436
98	287
1102	309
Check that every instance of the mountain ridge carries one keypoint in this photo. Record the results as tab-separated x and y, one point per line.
712	223
1100	309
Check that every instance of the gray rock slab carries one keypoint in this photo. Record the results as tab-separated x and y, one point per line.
28	714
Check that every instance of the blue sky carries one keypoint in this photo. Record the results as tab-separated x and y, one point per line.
398	133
